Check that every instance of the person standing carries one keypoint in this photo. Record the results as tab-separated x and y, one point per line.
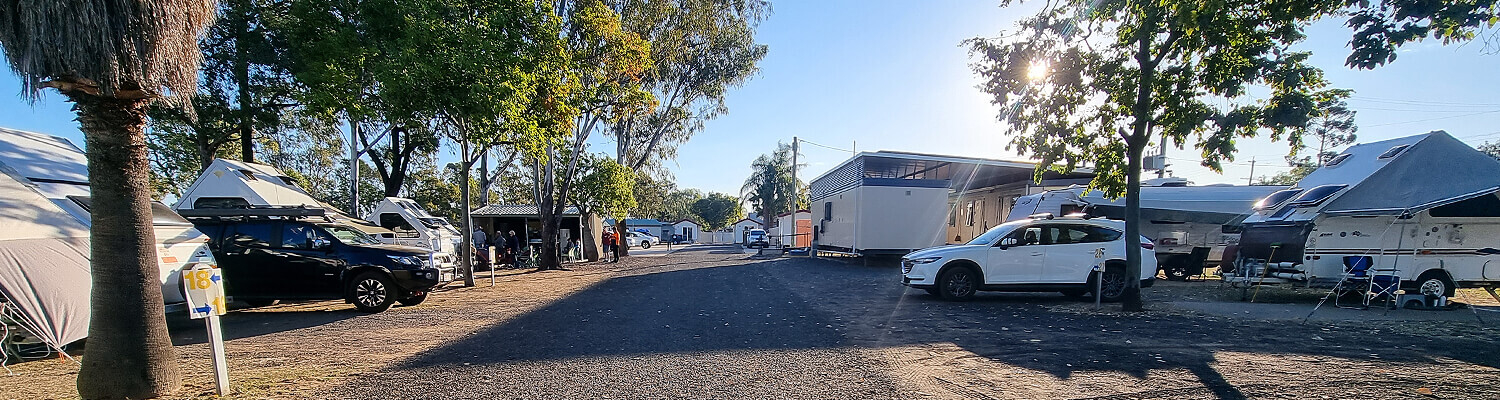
609	246
481	244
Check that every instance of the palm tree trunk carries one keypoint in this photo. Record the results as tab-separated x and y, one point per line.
129	352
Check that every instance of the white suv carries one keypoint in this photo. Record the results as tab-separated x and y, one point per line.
641	239
1032	255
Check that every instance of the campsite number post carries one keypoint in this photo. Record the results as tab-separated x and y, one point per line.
205	297
1098	277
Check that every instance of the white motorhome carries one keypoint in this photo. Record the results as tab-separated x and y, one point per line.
410	225
238	184
1421	208
44	273
1186	223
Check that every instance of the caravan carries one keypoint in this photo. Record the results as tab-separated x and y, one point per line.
410	225
1186	223
44	271
1421	209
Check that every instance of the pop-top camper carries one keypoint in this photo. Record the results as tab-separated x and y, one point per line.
412	226
1422	209
1187	223
229	184
44	238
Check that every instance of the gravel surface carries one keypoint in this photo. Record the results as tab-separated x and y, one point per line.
715	322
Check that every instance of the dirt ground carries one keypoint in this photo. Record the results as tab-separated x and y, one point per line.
873	339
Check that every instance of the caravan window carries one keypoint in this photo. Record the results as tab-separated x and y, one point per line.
1275	199
220	202
1317	195
1482	206
396	223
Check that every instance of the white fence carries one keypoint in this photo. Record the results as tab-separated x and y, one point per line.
716	237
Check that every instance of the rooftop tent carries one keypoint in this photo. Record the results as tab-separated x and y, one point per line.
229	183
44	237
1406	175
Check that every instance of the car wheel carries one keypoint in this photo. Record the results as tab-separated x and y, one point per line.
1074	292
645	245
1176	273
958	283
1435	284
413	300
261	302
1112	286
372	292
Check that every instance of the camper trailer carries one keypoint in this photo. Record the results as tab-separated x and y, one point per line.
44	274
1187	223
1421	209
410	225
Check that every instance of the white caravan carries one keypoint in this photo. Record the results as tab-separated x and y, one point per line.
1421	208
1187	223
44	271
410	225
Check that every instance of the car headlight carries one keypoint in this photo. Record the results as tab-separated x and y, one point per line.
923	260
412	261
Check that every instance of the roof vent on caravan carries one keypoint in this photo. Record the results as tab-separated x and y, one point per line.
1337	160
1394	151
1275	199
1316	195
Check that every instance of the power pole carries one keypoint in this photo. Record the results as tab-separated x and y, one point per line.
1251	180
484	178
1161	167
796	188
354	167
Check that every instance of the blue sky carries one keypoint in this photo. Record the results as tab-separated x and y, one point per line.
891	76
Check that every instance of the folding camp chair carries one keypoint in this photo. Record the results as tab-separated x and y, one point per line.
1369	283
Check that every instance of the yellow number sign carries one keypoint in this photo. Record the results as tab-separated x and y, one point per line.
205	291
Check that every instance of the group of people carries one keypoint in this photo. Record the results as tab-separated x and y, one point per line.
611	243
507	246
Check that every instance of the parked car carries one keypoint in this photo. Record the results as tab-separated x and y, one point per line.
1033	255
265	260
757	239
641	239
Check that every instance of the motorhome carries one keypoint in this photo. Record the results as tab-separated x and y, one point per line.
44	271
410	225
1421	208
1190	225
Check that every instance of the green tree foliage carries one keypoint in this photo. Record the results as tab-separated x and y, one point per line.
1380	26
717	211
1493	149
700	50
604	187
770	188
1095	82
1331	128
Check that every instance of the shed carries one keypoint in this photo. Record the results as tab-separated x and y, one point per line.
687	228
742	228
527	223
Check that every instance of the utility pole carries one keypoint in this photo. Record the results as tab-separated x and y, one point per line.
1161	167
484	178
1251	180
354	167
796	189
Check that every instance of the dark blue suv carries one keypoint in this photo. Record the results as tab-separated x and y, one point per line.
265	260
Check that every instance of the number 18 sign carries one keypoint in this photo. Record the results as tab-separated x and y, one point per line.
205	291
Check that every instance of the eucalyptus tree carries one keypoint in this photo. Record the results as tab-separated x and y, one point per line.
604	187
111	59
700	50
717	211
604	66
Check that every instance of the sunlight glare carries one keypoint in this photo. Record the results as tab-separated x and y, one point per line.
1037	70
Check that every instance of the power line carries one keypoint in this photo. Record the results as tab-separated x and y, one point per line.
823	145
1432	119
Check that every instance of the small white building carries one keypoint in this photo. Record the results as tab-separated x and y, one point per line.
742	228
687	228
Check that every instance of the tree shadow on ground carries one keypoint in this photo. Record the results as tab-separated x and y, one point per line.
239	324
791	304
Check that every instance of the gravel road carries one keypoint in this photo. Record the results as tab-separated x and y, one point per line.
715	322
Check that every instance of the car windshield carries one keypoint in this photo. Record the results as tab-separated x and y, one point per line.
349	235
994	233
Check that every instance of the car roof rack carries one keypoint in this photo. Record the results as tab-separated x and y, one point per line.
1040	216
265	212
